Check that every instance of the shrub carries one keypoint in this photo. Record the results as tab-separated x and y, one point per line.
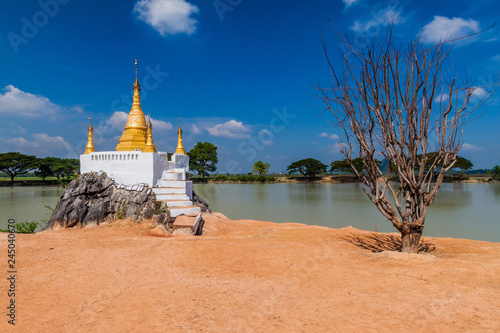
26	227
221	178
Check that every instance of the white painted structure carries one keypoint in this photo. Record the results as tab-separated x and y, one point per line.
134	167
130	168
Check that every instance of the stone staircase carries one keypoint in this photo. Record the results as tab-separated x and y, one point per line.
177	192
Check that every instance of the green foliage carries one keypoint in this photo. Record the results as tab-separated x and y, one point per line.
344	166
221	178
260	168
461	163
15	164
26	227
308	167
203	158
496	172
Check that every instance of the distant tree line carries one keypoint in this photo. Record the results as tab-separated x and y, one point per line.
15	164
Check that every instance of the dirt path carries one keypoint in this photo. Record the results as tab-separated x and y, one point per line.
249	276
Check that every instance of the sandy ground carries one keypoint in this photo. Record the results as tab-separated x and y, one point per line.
248	276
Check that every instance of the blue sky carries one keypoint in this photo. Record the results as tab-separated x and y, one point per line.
238	71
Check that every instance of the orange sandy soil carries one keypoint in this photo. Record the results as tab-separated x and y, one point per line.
249	276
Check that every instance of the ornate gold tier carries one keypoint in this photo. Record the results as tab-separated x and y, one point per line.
135	134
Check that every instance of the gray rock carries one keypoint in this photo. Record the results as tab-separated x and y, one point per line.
94	198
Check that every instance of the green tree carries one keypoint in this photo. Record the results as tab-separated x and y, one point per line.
436	164
496	172
308	167
260	168
44	167
203	158
344	166
15	164
65	167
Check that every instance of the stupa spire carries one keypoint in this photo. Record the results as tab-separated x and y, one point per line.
90	142
150	146
134	136
180	147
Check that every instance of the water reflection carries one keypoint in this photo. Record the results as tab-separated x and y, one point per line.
460	210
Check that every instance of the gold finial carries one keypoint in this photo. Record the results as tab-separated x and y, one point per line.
135	134
90	141
180	147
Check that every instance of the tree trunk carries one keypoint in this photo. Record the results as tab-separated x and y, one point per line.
410	238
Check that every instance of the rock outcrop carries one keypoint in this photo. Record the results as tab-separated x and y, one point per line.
94	198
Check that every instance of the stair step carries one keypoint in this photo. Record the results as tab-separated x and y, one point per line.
171	196
176	211
169	190
172	183
179	203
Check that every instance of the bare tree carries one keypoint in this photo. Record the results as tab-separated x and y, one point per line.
400	101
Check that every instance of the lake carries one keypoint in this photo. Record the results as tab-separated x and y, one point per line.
461	210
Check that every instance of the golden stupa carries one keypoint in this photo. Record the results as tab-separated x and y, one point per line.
180	146
135	134
150	146
90	142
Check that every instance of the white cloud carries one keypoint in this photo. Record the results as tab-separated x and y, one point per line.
41	144
442	28
161	125
168	17
383	17
323	135
231	129
195	130
118	120
349	3
441	98
334	137
479	92
338	147
17	102
470	147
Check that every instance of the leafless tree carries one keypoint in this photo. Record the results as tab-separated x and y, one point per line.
402	102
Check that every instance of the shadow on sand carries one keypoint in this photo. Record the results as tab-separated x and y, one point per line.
384	242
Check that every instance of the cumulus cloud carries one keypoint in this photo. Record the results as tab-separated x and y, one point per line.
330	136
194	129
479	92
41	144
470	147
17	102
383	17
441	98
442	28
168	17
231	129
161	125
117	120
349	3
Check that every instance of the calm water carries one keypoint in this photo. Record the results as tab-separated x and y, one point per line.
461	210
27	203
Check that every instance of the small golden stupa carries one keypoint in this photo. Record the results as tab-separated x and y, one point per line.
90	142
150	146
180	146
135	134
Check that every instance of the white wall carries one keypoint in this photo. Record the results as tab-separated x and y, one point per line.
126	167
